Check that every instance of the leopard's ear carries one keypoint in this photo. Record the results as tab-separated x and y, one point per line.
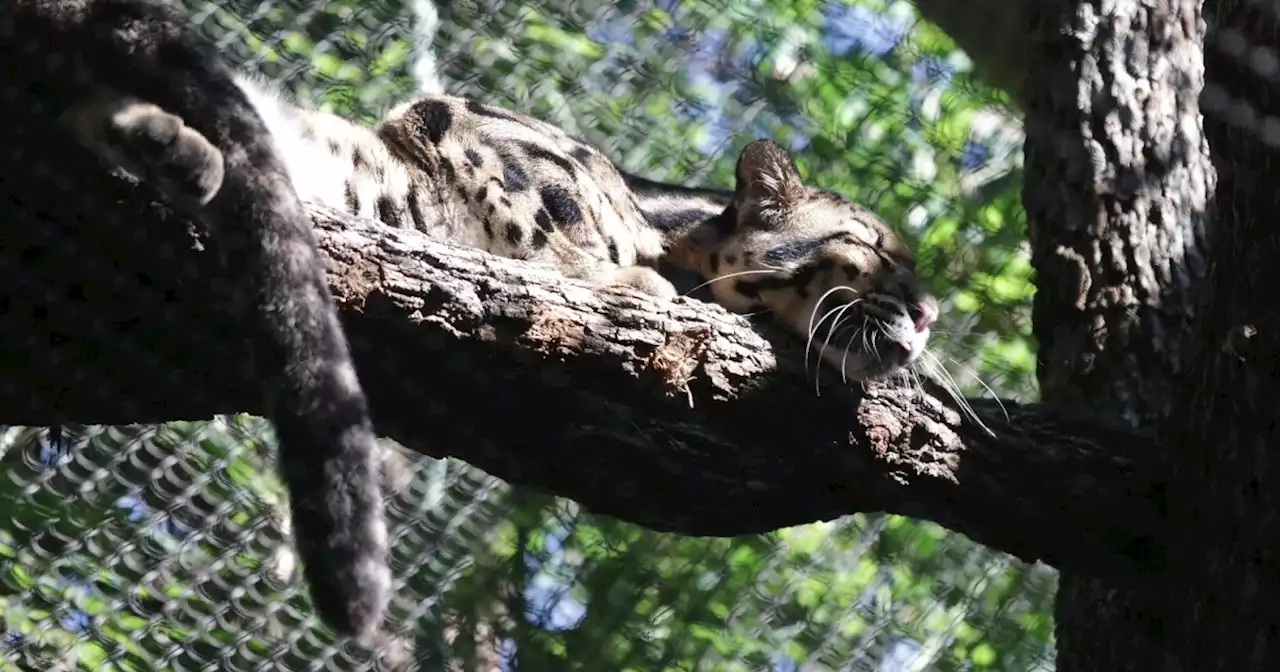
767	177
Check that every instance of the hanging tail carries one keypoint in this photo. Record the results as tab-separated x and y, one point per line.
157	90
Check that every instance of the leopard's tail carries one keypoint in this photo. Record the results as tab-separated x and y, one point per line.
329	457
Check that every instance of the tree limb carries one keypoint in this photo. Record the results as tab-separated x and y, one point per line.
677	416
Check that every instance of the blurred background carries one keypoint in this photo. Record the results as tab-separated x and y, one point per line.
166	547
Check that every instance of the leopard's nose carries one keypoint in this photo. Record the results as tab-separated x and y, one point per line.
925	312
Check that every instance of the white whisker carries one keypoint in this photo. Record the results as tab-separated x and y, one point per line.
735	274
812	329
871	344
808	344
844	370
987	387
818	304
915	379
830	332
952	388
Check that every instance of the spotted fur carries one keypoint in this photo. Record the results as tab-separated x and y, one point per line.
518	187
148	96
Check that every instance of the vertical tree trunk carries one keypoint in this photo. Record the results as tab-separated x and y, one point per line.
1225	492
1118	179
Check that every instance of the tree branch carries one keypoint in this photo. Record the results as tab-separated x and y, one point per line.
677	416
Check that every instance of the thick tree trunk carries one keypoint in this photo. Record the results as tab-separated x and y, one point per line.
1224	494
1118	180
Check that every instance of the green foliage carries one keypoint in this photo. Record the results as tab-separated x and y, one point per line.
671	90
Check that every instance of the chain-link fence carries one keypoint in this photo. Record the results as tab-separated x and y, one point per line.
165	547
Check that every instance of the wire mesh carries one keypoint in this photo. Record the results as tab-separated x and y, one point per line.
167	547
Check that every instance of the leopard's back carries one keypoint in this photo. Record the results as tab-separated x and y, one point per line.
472	174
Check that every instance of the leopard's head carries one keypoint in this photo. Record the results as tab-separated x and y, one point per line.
825	268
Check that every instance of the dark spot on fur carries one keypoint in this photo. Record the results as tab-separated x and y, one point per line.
506	202
774	282
800	281
446	169
614	255
789	252
488	228
389	211
492	112
540	152
851	271
491	209
731	259
516	179
560	203
747	288
676	220
515	234
474	157
726	222
796	250
334	147
482	193
539	239
435	118
358	159
353	201
582	154
543	220
416	212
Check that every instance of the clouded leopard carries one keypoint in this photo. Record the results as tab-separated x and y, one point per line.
521	188
513	185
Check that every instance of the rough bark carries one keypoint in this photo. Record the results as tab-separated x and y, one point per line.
1117	191
676	416
1228	422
